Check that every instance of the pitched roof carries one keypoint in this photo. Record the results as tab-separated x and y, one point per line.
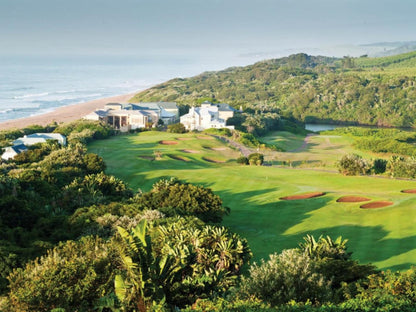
154	105
168	105
47	136
19	148
40	138
28	141
148	106
225	107
121	105
124	112
16	148
100	112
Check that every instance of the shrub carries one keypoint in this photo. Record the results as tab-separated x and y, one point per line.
176	198
176	128
242	160
288	276
353	164
398	166
385	291
256	159
210	259
99	129
72	276
219	131
379	166
85	136
95	188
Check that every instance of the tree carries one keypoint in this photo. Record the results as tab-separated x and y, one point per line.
72	276
94	189
334	262
143	276
173	197
256	159
288	276
242	160
176	128
210	258
353	164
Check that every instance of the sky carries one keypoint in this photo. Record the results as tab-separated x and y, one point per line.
206	27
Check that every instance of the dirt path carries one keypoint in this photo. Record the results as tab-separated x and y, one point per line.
242	148
304	145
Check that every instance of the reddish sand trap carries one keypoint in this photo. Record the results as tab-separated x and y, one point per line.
218	148
303	196
184	139
377	204
411	191
168	142
352	199
147	157
213	160
190	151
178	158
205	138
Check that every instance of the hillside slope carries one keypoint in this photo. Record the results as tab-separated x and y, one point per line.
370	91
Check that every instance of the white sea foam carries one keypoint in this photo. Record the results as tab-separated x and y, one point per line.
34	95
35	87
6	111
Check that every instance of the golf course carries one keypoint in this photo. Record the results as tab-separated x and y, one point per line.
263	209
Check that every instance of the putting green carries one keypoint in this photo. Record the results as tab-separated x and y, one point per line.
384	236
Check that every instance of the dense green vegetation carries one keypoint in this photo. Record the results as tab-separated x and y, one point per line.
149	250
76	237
392	141
369	91
252	193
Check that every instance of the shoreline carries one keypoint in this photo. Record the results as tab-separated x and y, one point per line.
65	113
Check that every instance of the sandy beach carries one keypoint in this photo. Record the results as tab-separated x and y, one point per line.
64	114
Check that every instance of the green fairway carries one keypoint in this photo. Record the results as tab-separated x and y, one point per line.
314	151
384	236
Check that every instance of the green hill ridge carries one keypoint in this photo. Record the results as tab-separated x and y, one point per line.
367	91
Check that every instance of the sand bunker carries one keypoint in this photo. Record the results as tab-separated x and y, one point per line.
175	157
216	161
184	139
219	148
168	142
190	151
303	196
205	138
411	191
147	157
352	199
377	204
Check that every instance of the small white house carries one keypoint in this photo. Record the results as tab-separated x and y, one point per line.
11	151
40	138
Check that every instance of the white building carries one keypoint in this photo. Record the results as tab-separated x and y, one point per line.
130	116
11	151
207	116
40	138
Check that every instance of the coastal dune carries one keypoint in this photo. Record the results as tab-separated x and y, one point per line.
64	114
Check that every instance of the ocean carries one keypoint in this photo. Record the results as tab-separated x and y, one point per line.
32	85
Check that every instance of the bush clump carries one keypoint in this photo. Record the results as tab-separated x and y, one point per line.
173	197
242	160
177	128
256	159
353	164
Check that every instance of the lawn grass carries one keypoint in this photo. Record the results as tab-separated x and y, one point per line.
385	236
